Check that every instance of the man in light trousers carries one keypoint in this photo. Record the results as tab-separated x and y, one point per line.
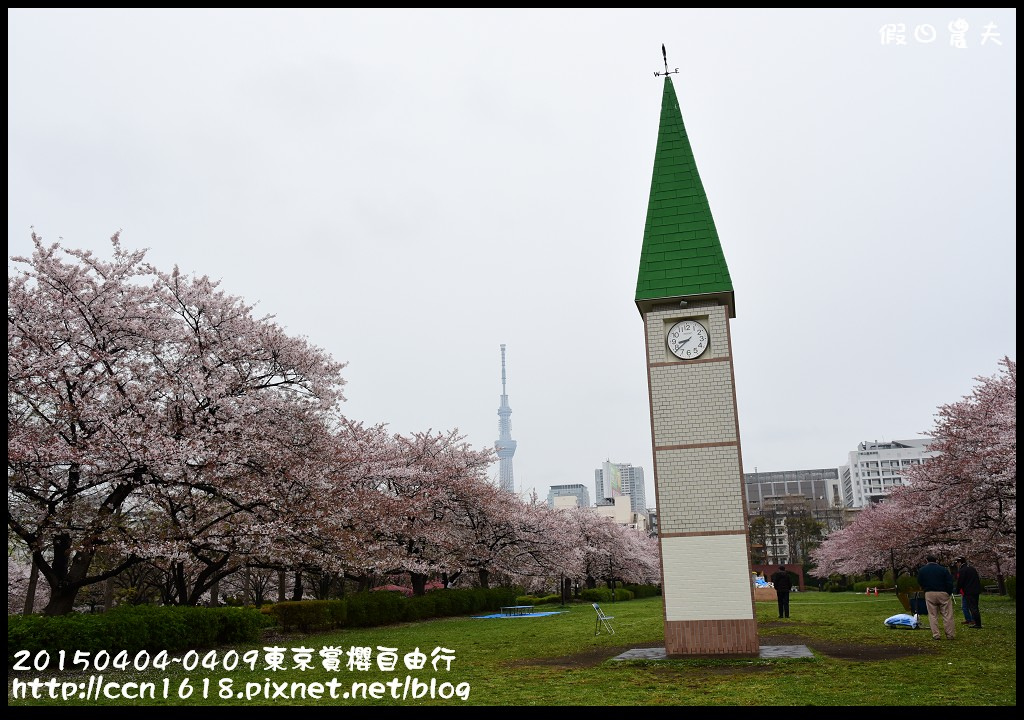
937	583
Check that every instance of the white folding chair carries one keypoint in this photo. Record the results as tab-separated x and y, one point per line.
602	621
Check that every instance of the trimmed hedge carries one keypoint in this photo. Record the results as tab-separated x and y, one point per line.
134	628
604	595
539	600
642	591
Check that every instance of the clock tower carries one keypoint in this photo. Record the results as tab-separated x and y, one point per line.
685	296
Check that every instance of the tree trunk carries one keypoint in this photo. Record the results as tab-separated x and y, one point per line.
1000	578
282	586
62	600
484	575
297	590
69	572
215	593
30	594
108	594
65	576
419	583
177	570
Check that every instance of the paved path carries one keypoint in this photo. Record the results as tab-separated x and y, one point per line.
767	651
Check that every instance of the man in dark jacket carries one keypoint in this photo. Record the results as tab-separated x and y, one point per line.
937	583
969	584
783	584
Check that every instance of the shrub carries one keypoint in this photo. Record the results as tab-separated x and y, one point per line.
133	628
304	615
421	607
604	595
450	602
376	608
837	583
147	627
642	591
907	583
337	611
236	627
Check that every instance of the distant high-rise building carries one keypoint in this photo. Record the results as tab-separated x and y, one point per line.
778	502
614	479
819	486
875	468
505	445
578	492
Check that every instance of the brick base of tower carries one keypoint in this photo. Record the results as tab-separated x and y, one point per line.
712	638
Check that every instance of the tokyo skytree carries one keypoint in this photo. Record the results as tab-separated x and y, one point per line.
505	445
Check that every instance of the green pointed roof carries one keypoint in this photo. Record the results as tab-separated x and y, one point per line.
681	256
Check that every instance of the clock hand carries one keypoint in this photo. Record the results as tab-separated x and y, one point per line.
683	342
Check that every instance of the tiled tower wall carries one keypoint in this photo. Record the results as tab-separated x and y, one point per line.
708	593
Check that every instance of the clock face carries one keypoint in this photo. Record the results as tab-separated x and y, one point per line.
688	339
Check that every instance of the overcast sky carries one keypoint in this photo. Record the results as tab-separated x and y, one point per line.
409	189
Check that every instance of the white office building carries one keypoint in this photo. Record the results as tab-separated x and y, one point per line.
875	468
618	510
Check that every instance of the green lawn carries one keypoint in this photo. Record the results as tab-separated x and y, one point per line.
557	660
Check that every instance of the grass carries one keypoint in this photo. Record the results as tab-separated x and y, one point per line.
558	661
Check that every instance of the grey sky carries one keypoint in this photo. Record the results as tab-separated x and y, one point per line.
409	189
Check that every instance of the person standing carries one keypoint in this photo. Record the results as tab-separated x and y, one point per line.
783	584
967	613
937	583
968	583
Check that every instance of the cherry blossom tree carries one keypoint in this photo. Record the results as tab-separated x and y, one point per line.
135	397
597	540
882	536
966	497
963	501
160	430
416	529
529	543
637	559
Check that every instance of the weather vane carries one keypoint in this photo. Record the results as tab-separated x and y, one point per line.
665	58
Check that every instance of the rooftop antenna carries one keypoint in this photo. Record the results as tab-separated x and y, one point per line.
664	57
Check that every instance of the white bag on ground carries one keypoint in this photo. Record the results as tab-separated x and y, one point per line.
903	620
